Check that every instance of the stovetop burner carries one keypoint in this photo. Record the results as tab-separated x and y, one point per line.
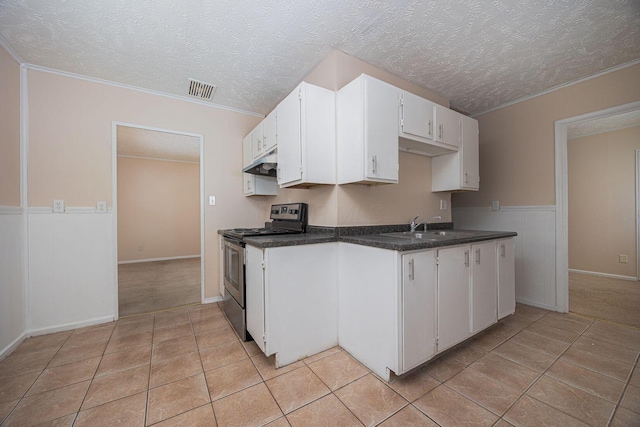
288	218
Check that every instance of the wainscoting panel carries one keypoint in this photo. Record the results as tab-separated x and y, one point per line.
71	270
12	291
535	246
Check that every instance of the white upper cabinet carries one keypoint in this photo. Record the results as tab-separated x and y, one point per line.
447	128
460	170
306	137
270	132
367	127
246	151
416	116
257	145
254	185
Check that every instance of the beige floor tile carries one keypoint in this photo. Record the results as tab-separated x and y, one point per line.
176	368
173	347
530	312
216	336
635	378
502	423
129	411
128	342
171	318
492	338
506	371
267	369
115	362
296	388
529	412
199	417
280	422
95	334
116	386
66	421
231	378
42	342
60	376
251	406
6	408
492	394
223	354
444	368
594	362
525	356
631	399
251	348
13	388
414	385
169	332
197	316
175	398
135	326
572	401
449	408
74	354
408	416
567	321
327	411
624	336
48	406
589	381
553	333
321	355
15	365
208	323
466	353
337	369
625	418
370	399
605	349
551	347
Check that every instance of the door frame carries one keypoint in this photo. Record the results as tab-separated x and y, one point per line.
638	214
562	210
114	202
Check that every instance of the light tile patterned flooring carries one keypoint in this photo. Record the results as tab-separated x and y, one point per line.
186	367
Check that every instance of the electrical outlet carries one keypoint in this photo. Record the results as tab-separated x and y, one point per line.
623	259
140	248
101	207
443	205
58	206
495	205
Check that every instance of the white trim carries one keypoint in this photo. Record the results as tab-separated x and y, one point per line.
114	206
40	210
212	300
637	214
12	346
171	258
139	89
10	210
560	86
155	158
536	304
548	208
595	273
604	130
71	326
10	50
81	210
562	215
24	191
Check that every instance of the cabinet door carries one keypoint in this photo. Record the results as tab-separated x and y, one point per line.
483	286
506	278
289	138
270	132
246	151
255	295
416	116
257	144
447	126
418	311
470	172
248	184
380	133
453	296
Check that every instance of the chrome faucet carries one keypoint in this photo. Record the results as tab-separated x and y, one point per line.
414	226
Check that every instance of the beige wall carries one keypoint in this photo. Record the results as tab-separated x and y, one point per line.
9	130
70	149
602	201
517	142
158	209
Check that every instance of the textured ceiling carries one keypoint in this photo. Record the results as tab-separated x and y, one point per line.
478	53
153	144
604	124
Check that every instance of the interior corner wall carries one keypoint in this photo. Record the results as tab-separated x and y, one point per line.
158	209
602	202
12	287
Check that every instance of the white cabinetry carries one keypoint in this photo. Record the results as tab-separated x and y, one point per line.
306	137
483	286
459	171
254	185
453	296
506	277
447	129
291	300
367	138
257	145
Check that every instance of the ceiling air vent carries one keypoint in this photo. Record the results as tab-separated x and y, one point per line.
201	90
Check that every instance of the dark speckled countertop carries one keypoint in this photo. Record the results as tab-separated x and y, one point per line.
374	236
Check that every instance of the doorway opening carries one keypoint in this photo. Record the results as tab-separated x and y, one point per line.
158	221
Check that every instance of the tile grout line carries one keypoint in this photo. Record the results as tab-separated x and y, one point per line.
624	389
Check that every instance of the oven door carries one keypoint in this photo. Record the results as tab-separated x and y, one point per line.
234	270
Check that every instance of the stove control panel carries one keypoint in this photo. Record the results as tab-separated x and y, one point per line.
289	211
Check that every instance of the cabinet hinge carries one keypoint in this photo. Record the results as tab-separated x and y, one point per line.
300	94
263	265
264	338
437	261
437	341
300	168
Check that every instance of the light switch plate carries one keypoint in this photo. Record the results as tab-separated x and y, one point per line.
58	206
101	207
443	205
212	200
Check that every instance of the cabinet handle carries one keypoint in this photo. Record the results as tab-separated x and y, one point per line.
249	185
430	130
412	274
466	258
466	178
440	131
374	164
503	250
477	256
278	175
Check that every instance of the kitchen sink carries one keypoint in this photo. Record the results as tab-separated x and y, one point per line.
432	235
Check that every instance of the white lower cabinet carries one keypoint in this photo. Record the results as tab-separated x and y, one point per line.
291	300
506	277
453	296
484	290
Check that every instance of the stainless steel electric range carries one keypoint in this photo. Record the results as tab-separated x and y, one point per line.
290	218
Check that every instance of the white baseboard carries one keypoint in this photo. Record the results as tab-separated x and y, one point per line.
12	346
537	304
212	300
70	326
611	276
171	258
10	210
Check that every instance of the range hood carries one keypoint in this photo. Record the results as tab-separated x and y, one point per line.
264	166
